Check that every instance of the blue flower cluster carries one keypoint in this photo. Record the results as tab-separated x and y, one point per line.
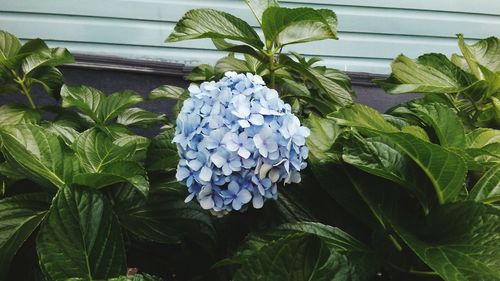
237	140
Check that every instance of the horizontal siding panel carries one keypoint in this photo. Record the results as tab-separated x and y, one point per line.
351	19
131	32
193	57
372	32
488	7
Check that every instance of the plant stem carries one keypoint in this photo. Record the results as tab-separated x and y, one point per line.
271	68
24	90
423	273
395	242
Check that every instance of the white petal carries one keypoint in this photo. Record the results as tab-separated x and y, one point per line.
244	196
236	205
264	169
205	174
207	203
233	187
218	159
243	123
256	119
257	140
189	198
243	152
182	173
257	202
195	165
274	174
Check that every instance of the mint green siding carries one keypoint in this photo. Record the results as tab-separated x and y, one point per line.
371	32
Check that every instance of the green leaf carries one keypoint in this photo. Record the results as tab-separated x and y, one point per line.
96	150
430	73
139	117
487	189
81	237
116	172
296	257
445	169
47	57
103	162
304	251
482	137
208	23
63	131
39	153
416	131
231	63
203	72
162	153
18	114
9	45
20	215
223	45
84	98
95	104
169	92
459	241
164	217
283	26
383	159
485	52
445	122
258	7
336	91
362	116
324	133
49	77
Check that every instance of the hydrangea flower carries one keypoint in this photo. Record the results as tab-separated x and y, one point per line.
237	140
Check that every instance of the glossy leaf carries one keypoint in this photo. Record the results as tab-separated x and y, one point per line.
324	132
445	169
362	116
116	172
49	77
162	153
9	45
139	117
337	91
487	189
482	137
208	23
20	215
40	153
485	52
164	217
304	251
46	57
383	159
459	241
66	133
168	92
103	162
284	26
18	114
259	6
95	104
95	150
81	237
445	122
430	73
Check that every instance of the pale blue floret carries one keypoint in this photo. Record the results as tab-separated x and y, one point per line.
237	140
